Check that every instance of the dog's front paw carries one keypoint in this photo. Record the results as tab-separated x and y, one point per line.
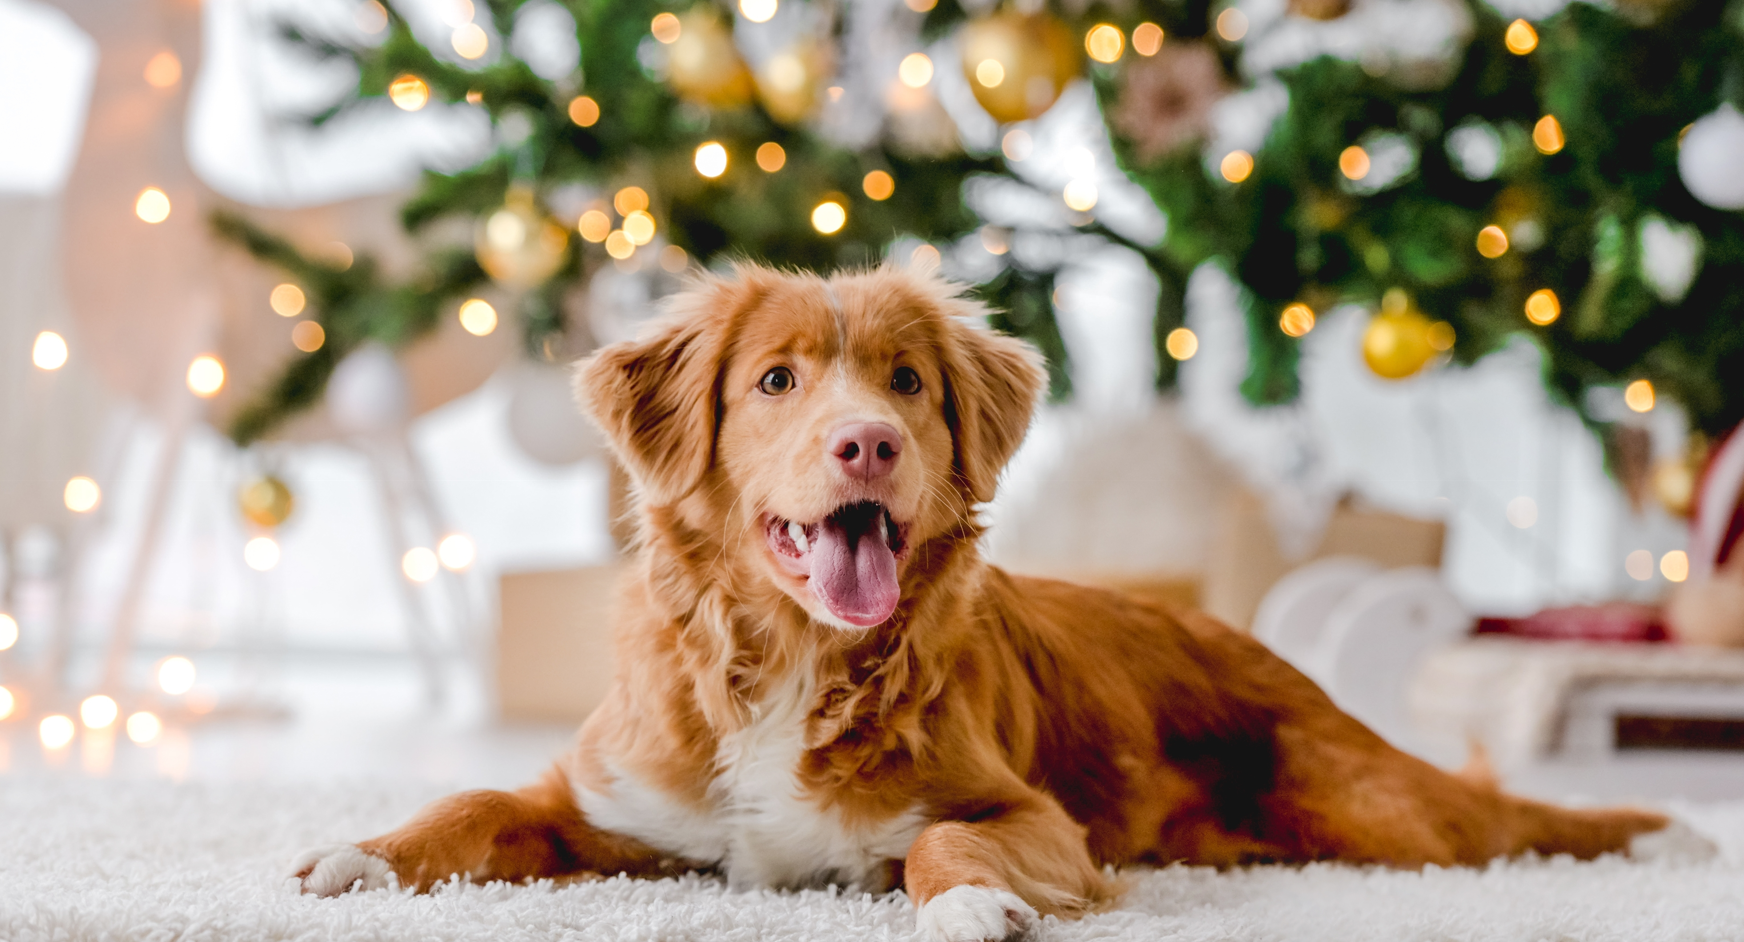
1677	842
337	868
975	914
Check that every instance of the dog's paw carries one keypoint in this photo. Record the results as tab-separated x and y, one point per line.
337	868
975	914
1677	842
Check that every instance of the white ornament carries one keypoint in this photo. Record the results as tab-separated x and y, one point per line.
1670	258
544	420
1711	160
368	393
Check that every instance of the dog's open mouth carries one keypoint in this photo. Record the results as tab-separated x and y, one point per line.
849	557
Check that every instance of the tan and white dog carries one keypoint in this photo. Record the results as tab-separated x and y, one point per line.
821	681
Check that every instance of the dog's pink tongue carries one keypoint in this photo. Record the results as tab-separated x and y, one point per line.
854	573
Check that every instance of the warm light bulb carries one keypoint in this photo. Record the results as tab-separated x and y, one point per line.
594	225
1639	565
1296	320
287	300
49	352
308	336
920	6
8	631
1353	162
1542	307
470	41
1674	566
925	258
175	675
1236	166
82	495
419	564
456	551
477	317
152	205
1547	135
666	28
629	199
1441	336
409	93
56	730
370	16
878	185
759	11
1232	25
916	70
1147	39
8	703
143	727
771	157
1520	38
1638	396
1104	43
1080	195
990	73
674	259
995	240
1181	343
619	246
829	217
1492	242
584	111
205	376
164	70
639	227
1017	145
711	159
261	553
98	712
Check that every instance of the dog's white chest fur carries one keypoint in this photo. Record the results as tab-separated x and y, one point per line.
759	827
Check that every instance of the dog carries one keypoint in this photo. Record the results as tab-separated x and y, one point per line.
820	681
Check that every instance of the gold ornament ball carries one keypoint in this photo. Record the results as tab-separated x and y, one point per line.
1399	341
1017	65
704	66
1319	9
265	501
519	246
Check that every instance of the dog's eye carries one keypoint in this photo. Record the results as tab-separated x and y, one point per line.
777	382
905	381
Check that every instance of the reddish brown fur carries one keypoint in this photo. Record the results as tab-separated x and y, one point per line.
1046	728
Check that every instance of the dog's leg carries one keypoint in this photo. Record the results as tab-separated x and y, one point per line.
987	879
535	832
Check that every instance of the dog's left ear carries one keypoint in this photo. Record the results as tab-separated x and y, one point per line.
992	385
658	400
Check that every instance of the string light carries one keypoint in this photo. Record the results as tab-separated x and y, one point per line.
1237	165
1080	195
8	631
1639	565
1674	566
81	495
771	157
98	712
164	70
1492	242
340	255
1520	38
1353	162
1232	25
619	246
995	240
925	257
7	703
1104	42
759	11
1017	145
878	185
666	28
1542	307
470	41
1522	512
1441	336
639	227
49	352
990	73
584	111
1638	396
175	675
152	205
1181	343
408	92
308	336
477	317
370	16
711	159
829	217
205	376
916	70
457	12
143	727
1147	39
921	6
287	300
56	730
261	553
1547	135
594	225
419	564
674	259
456	552
1296	320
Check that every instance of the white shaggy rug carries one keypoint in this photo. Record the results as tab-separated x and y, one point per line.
82	859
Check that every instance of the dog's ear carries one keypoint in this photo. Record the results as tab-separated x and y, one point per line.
658	398
992	384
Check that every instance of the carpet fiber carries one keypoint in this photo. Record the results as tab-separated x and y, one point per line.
83	859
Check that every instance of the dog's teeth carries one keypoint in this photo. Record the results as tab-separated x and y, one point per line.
797	534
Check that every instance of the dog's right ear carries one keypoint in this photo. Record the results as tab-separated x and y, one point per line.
658	398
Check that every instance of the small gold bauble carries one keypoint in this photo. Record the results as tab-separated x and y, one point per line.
265	501
519	246
1399	341
703	65
1017	65
1319	9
